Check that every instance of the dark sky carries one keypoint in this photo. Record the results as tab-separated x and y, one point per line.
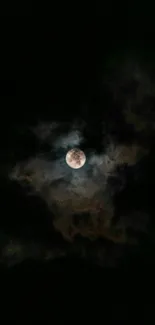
52	68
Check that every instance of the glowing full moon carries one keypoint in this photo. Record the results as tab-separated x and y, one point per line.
75	158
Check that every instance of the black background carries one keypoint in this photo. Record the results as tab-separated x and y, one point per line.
58	59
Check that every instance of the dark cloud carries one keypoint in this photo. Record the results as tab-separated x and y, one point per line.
82	202
14	251
67	191
132	84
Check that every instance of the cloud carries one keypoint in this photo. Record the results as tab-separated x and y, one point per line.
86	190
92	188
44	131
52	133
14	251
72	139
132	85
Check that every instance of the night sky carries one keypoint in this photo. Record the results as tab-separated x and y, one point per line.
85	80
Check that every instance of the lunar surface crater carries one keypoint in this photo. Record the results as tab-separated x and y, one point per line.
75	158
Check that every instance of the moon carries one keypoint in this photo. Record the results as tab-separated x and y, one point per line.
75	158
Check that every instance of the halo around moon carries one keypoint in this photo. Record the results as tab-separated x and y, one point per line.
75	158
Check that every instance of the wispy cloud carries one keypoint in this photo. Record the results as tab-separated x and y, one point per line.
76	191
89	189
